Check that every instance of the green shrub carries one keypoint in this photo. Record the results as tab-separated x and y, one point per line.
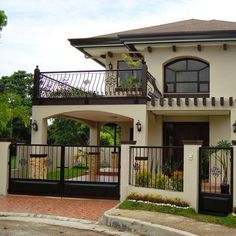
156	198
161	181
143	178
177	181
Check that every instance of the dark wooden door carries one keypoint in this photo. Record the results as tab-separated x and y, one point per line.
176	132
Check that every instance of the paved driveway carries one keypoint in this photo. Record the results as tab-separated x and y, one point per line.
88	209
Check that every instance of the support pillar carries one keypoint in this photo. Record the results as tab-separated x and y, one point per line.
39	136
4	157
191	172
94	134
141	137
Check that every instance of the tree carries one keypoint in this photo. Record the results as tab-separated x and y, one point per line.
68	132
11	108
15	106
3	19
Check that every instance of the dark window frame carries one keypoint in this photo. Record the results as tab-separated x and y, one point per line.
131	71
174	83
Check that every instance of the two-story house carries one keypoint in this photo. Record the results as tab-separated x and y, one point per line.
164	86
185	88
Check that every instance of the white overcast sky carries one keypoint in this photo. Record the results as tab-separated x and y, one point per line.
37	30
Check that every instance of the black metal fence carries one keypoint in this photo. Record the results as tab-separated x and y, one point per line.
216	170
94	83
215	180
64	170
157	167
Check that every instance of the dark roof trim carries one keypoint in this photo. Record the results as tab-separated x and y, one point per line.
122	39
191	36
81	42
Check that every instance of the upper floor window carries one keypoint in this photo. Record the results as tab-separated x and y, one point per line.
187	76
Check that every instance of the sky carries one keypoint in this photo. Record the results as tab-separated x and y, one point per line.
38	30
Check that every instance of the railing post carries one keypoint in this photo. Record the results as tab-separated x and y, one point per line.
144	79
36	83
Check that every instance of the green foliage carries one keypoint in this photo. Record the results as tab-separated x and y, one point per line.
132	64
143	178
68	174
174	181
11	108
15	106
131	83
177	181
107	136
161	181
228	220
3	19
156	198
67	132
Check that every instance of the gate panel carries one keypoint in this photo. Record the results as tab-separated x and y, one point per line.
215	180
71	171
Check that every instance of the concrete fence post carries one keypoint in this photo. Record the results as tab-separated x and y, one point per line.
124	171
4	157
191	172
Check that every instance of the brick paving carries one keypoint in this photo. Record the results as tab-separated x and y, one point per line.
87	209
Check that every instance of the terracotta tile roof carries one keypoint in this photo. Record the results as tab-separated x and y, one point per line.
192	25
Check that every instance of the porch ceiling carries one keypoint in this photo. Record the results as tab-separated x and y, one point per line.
96	116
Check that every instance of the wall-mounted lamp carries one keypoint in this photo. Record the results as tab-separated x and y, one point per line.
35	125
234	126
139	126
110	66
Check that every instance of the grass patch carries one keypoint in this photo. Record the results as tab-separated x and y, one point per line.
68	174
228	220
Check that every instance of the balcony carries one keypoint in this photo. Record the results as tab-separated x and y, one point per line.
134	86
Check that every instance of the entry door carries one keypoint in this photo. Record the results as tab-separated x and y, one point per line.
176	132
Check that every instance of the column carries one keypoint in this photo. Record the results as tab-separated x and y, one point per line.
4	156
39	136
94	134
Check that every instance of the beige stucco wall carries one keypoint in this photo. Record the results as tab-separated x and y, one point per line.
135	112
220	129
155	132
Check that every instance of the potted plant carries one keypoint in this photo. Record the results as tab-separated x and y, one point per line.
132	84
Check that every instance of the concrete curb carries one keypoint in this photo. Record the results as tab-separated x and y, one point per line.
140	227
62	221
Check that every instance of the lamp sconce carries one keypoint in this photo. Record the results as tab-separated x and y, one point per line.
110	66
234	126
35	125
139	126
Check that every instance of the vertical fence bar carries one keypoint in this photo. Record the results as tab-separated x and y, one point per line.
62	170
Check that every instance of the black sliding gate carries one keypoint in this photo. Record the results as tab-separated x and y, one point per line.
73	171
215	180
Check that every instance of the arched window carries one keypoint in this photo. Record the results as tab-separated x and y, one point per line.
186	76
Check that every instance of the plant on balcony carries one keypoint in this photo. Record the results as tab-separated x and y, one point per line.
132	83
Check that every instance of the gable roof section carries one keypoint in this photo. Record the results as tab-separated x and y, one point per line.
182	30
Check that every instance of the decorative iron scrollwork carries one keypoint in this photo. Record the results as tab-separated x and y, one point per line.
215	171
136	166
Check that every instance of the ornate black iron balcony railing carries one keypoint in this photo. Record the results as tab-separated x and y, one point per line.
94	83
